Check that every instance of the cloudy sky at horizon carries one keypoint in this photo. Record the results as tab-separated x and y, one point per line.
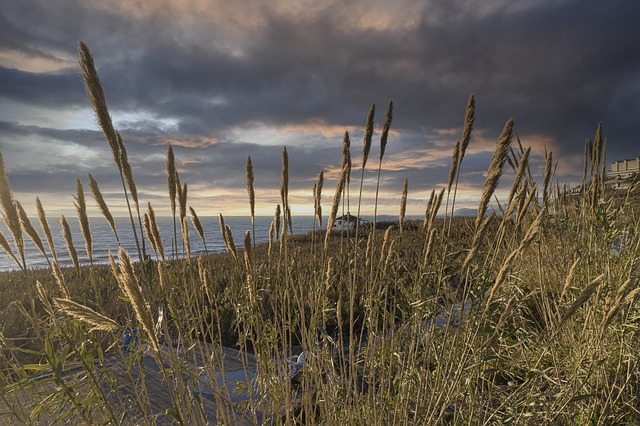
222	80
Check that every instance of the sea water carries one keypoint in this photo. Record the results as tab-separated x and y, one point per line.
104	240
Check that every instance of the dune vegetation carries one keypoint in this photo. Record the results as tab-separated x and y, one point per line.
525	315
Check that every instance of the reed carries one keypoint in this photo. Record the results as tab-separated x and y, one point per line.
147	228
335	205
10	212
7	248
44	223
97	99
366	147
586	294
467	129
172	185
25	222
317	197
495	170
129	286
97	321
83	219
248	252
569	279
252	196
59	278
383	146
346	162
185	236
276	220
102	204
198	226
506	266
231	245
403	204
155	231
284	188
547	178
68	239
44	299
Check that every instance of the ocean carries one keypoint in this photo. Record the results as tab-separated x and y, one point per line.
104	241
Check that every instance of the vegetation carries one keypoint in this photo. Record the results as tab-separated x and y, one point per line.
530	316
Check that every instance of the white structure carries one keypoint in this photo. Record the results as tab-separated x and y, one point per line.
625	168
348	222
623	173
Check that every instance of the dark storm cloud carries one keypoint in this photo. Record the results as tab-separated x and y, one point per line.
49	90
557	67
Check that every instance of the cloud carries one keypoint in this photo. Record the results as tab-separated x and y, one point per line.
221	80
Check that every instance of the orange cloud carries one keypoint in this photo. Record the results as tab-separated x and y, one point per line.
53	61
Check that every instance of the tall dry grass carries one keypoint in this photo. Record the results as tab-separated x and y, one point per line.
526	317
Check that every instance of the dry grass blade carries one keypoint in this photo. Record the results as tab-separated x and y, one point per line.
5	245
403	203
469	118
10	211
547	178
429	248
229	237
506	266
171	178
252	196
198	225
317	197
86	314
526	203
57	275
44	223
284	186
368	135
155	231
434	209
276	219
172	185
385	129
622	298
335	205
102	204
455	159
272	231
427	211
504	315
97	99
346	155
66	233
147	228
248	253
30	230
83	218
475	245
223	231
185	236
126	170
44	298
182	198
569	279
522	167
495	170
385	241
582	299
250	189
129	286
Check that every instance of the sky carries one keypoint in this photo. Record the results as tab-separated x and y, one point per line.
221	80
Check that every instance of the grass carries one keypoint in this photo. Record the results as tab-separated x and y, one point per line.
549	334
